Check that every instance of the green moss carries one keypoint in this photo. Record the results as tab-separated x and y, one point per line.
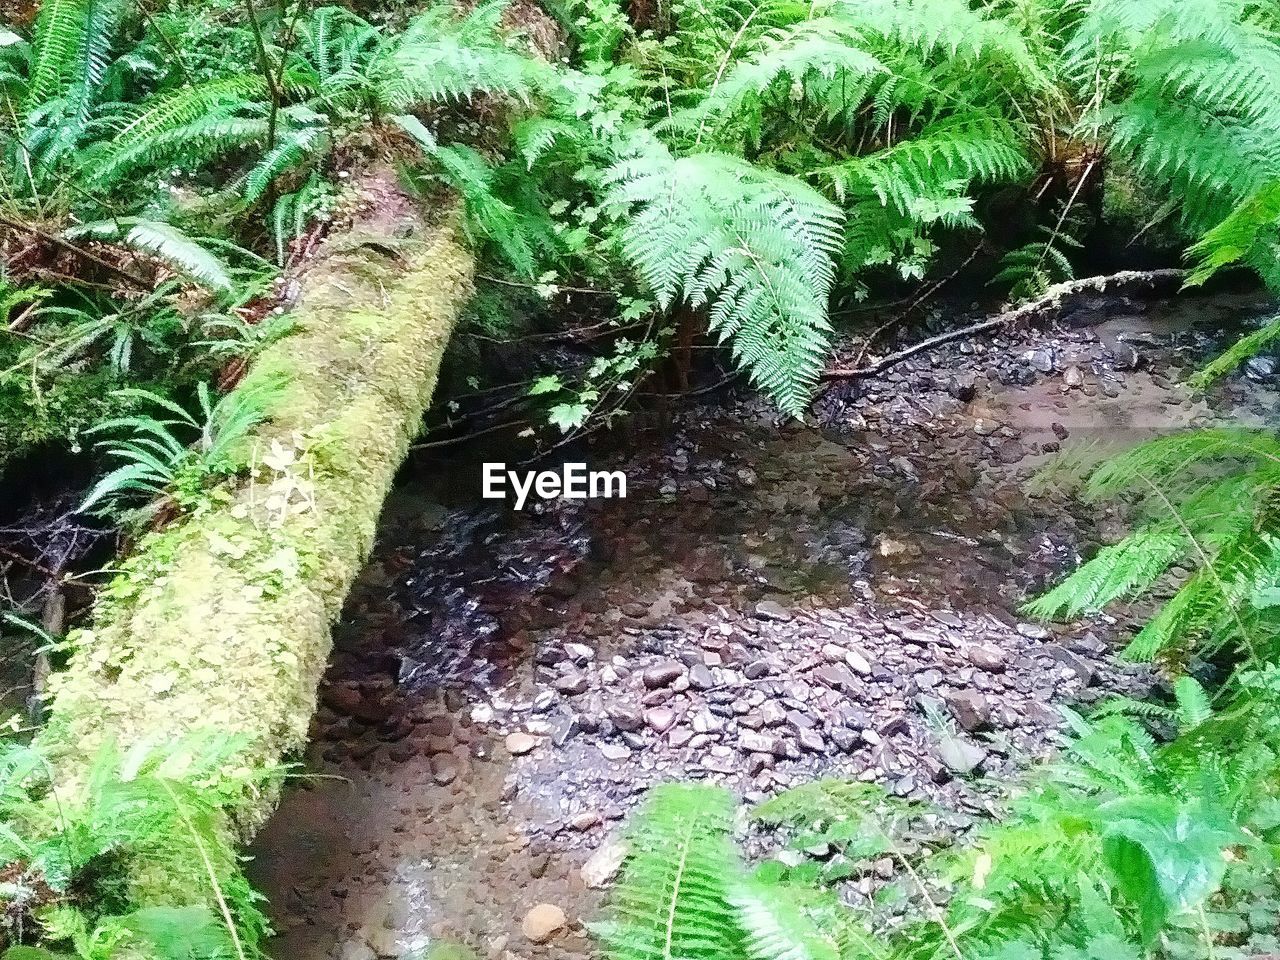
55	413
223	620
1134	209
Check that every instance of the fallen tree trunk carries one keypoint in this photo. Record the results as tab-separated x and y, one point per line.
221	621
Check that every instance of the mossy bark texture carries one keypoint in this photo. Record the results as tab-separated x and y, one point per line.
222	620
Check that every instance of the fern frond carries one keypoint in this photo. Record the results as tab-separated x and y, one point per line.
673	898
1194	707
1121	570
1240	351
776	925
1249	235
1160	462
754	246
970	149
164	242
294	147
822	48
441	59
57	44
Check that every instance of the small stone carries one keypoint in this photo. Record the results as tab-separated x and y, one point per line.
603	865
1032	631
563	729
660	719
662	674
704	721
857	663
772	610
700	677
543	922
986	657
772	714
444	768
585	821
579	652
1125	357
1042	360
1073	377
811	740
614	751
625	717
751	742
960	756
756	669
845	739
520	743
1259	368
572	685
970	708
1072	661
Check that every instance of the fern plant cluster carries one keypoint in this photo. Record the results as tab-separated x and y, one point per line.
819	145
64	855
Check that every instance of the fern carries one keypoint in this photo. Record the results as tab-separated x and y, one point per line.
673	899
158	801
776	927
1231	358
441	59
60	41
1249	235
1198	113
1194	707
754	247
164	242
295	146
1118	571
1211	496
156	458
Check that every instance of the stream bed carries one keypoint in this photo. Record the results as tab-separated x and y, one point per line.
770	604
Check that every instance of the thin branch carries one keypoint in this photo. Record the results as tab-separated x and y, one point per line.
1051	301
535	286
78	251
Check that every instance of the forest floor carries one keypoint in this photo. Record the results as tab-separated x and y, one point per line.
768	605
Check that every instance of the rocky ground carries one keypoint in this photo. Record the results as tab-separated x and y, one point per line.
770	604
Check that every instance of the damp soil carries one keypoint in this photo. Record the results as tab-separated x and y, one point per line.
771	603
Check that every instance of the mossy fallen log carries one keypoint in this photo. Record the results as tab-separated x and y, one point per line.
221	621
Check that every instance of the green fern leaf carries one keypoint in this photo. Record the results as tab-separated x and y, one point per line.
673	898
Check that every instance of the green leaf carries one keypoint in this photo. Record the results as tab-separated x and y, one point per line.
568	416
1165	857
547	384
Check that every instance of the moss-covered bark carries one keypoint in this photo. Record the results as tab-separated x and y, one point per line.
222	620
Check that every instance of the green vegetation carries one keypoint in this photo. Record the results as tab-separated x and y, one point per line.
731	169
68	856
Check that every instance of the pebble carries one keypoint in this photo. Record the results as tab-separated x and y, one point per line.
660	719
520	743
543	922
662	674
960	756
603	865
772	610
970	709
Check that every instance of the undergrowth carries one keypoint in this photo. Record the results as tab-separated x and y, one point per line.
69	854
